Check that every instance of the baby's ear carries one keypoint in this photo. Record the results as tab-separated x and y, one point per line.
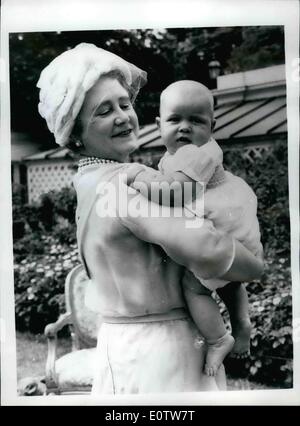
157	121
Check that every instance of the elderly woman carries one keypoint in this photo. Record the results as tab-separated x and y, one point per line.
147	341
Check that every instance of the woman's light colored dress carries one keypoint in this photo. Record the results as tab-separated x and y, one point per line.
147	342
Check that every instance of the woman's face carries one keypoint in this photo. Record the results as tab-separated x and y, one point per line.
109	122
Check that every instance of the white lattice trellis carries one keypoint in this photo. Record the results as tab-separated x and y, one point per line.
44	176
252	153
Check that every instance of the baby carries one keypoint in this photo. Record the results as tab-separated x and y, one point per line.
186	124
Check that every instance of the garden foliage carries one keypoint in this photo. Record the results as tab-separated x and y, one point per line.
47	252
43	256
271	297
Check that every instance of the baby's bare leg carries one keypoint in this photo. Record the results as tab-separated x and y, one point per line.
206	315
235	297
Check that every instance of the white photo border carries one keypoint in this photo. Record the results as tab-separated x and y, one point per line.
70	15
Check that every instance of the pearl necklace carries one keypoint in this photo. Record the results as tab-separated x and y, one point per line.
91	161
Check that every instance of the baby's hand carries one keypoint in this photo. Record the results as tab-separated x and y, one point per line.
132	172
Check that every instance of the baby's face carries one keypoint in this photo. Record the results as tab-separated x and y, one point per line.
186	117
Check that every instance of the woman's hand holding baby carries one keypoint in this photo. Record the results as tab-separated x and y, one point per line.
132	173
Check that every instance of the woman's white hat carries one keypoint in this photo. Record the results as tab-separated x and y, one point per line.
65	81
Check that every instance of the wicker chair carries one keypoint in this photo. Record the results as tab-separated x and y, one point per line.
73	372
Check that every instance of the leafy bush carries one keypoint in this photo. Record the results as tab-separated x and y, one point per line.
18	201
64	232
268	177
270	301
43	257
39	284
63	203
271	315
31	244
47	212
271	298
20	211
55	205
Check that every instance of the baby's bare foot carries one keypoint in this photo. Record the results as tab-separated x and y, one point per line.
216	352
241	333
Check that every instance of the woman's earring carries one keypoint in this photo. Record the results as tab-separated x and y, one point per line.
78	144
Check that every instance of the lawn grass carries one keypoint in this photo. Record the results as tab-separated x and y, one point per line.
32	354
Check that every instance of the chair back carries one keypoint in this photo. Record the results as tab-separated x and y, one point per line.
85	323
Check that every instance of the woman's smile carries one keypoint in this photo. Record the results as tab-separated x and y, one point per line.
122	133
